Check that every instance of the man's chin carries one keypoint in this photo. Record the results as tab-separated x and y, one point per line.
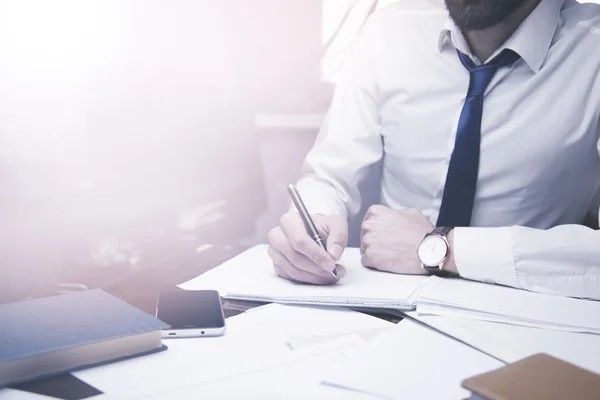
472	15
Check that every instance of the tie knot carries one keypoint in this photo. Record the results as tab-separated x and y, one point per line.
481	75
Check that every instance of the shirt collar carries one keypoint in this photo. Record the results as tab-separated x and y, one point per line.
532	40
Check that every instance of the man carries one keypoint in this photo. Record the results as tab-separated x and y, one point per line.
506	173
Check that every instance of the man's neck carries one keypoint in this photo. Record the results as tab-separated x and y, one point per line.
483	43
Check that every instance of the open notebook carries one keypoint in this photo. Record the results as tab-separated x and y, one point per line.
250	276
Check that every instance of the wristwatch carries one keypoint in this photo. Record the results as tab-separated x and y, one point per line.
434	250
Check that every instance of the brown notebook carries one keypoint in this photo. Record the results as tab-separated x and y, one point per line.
539	377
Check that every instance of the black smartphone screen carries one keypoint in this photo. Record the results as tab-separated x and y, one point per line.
188	309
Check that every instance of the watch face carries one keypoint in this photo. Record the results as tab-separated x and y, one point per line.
433	250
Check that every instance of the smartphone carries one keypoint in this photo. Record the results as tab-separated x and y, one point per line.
191	313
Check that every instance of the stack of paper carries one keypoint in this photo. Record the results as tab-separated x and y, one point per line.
250	276
397	364
511	343
410	361
467	299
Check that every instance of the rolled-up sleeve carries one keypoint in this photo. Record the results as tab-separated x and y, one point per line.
349	140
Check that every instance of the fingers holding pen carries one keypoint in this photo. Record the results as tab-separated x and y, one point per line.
292	227
294	263
285	269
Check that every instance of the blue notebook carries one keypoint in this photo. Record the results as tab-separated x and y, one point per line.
55	335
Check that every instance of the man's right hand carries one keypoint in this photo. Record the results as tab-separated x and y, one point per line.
297	257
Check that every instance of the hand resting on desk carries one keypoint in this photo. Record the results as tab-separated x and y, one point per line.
389	240
299	258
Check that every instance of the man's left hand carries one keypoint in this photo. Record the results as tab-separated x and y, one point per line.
390	238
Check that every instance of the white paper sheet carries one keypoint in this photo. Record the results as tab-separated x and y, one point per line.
250	276
453	297
296	375
253	341
511	343
400	364
297	341
318	392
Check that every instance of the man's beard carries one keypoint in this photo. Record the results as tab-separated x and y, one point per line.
471	15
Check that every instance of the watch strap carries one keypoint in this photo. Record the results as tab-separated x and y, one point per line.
441	231
439	272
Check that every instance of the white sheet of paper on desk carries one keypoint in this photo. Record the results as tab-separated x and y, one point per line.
502	304
250	276
319	392
392	365
297	341
297	379
511	342
253	341
297	372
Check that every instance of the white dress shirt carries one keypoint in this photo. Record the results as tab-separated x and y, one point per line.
399	99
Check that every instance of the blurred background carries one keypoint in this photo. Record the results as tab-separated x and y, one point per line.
143	142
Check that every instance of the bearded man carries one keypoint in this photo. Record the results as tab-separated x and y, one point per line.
485	115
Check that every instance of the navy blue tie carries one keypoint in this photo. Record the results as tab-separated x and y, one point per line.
461	181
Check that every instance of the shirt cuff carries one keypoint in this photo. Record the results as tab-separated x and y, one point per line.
486	255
